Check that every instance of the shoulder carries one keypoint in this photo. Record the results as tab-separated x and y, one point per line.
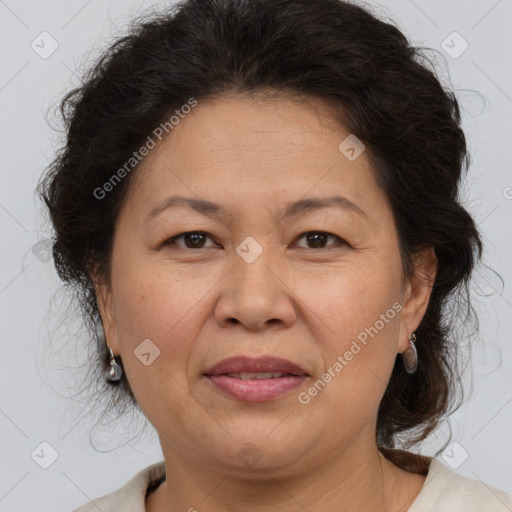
131	496
446	491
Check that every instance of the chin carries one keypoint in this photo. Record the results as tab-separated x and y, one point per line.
260	452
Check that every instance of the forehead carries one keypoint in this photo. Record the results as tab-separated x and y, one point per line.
240	123
260	149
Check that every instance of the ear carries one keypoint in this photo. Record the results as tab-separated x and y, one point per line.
417	293
104	300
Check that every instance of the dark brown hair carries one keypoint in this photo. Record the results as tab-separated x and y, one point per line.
381	88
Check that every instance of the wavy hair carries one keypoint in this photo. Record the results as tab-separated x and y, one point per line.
380	87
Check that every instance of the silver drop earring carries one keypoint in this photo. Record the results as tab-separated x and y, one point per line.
115	372
410	356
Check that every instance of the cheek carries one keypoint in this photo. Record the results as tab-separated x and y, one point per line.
351	299
360	312
153	301
156	323
156	316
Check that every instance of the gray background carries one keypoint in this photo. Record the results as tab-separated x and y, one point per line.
33	404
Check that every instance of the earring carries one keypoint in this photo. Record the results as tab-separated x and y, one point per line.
410	356
115	372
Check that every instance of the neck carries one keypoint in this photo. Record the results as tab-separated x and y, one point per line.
360	480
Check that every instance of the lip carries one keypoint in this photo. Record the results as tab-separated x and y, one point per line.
256	390
260	364
261	390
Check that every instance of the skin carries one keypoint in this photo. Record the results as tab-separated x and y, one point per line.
200	302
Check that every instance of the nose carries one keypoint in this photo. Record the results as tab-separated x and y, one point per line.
255	295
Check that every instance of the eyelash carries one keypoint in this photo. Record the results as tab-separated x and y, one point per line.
172	241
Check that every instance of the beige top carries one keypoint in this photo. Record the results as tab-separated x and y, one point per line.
443	490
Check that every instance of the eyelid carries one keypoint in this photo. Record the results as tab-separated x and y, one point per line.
340	241
172	240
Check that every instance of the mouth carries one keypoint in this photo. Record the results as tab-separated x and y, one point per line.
255	380
241	366
258	375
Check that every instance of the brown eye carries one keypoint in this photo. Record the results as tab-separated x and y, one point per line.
192	239
318	239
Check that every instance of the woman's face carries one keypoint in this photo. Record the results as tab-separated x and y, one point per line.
321	287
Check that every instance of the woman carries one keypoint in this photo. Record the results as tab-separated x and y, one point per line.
258	199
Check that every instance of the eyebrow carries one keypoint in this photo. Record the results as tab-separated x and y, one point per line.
209	208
